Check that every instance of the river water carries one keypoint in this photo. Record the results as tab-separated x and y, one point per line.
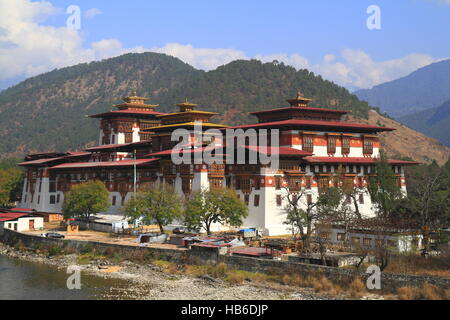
33	281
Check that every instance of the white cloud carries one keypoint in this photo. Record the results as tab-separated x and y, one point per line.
295	60
28	48
356	68
90	13
201	58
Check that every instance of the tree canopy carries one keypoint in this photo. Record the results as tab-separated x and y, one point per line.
206	207
11	181
159	204
383	188
86	199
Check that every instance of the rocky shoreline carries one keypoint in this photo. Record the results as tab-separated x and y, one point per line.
150	282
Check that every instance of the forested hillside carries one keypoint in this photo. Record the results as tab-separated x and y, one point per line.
47	112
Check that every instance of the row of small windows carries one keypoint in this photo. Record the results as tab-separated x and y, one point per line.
308	145
279	199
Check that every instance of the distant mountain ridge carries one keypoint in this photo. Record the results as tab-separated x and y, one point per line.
425	88
434	122
48	112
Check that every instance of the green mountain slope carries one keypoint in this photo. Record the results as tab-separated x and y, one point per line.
425	88
434	122
47	112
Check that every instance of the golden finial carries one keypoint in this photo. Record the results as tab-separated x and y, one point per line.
299	100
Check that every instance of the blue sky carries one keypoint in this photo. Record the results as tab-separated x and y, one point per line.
328	37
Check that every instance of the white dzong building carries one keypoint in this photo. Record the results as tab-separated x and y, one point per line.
313	143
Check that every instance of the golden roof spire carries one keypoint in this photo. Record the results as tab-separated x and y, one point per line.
186	106
135	101
299	100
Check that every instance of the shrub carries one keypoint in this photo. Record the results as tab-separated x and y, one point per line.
109	252
218	271
149	255
357	288
235	278
84	259
87	248
431	292
426	292
323	285
407	293
19	245
54	251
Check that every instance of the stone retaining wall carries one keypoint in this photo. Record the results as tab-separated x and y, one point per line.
388	280
269	266
31	241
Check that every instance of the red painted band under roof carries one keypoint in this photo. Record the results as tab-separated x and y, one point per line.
119	145
47	160
279	151
77	154
122	163
353	160
299	122
40	161
125	112
12	216
20	210
106	146
300	109
181	150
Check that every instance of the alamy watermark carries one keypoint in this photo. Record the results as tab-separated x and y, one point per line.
74	20
374	20
374	280
232	146
74	280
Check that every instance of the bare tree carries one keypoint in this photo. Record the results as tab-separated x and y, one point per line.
427	204
301	213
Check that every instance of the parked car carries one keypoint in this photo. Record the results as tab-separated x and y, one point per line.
53	235
178	231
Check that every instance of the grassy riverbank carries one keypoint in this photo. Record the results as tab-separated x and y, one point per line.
154	278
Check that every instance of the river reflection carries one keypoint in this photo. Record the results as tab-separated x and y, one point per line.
21	280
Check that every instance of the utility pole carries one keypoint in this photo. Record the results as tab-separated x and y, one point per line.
135	177
134	184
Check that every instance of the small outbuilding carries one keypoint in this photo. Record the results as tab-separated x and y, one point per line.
21	221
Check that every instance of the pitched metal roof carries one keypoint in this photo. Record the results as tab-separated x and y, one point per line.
122	163
315	123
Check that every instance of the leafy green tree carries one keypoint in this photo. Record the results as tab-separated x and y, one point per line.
86	199
383	188
10	184
159	204
206	207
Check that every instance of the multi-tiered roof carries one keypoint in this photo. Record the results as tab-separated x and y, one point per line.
300	116
133	105
187	117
